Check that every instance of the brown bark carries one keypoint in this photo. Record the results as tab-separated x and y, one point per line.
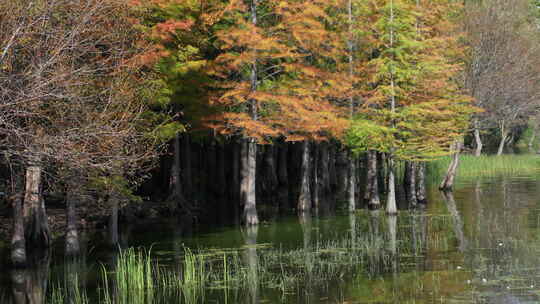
235	180
342	175
18	247
410	183
315	177
332	174
114	202
448	181
221	181
74	195
382	174
36	221
351	188
176	195
283	176
371	195
248	182
211	170
270	180
421	183
304	200
324	176
187	177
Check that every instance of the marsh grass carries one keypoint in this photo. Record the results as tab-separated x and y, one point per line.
137	277
471	167
67	292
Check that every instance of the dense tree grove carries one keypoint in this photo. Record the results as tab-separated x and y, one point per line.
238	106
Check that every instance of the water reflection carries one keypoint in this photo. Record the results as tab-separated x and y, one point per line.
252	262
456	219
29	285
480	244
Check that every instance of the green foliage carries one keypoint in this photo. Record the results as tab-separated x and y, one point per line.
365	135
413	107
117	184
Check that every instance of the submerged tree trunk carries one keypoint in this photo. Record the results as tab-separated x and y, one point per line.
304	200
36	222
421	183
248	179
448	181
391	206
478	139
74	195
371	195
411	183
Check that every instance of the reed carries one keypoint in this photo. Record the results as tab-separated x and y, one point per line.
471	167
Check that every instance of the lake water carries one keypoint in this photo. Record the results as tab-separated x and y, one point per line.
479	245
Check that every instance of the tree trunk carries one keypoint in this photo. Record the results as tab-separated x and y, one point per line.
342	175
211	171
18	246
36	221
187	177
283	177
391	207
421	183
304	200
315	178
249	169
221	181
270	180
324	178
332	174
382	173
113	219
74	195
248	179
500	150
371	196
176	195
531	140
478	139
448	181
235	180
411	183
351	189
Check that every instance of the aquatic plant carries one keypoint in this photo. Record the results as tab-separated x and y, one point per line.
471	167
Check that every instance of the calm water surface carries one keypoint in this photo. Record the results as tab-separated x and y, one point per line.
479	245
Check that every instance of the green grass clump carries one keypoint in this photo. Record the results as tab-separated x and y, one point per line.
486	166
